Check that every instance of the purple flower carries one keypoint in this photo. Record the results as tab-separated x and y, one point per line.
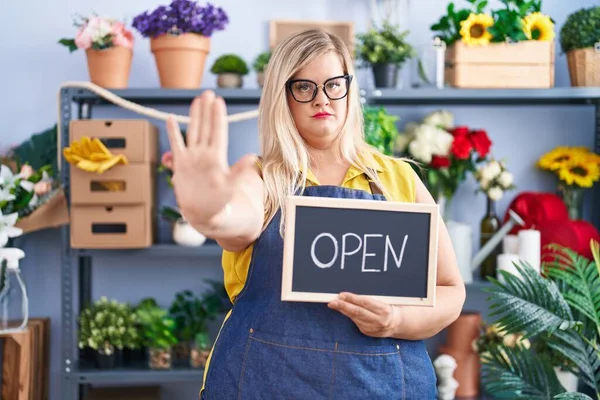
181	16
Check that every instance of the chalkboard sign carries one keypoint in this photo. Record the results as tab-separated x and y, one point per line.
384	249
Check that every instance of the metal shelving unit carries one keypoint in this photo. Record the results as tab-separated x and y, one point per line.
77	263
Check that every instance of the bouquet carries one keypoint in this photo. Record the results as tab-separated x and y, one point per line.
98	33
494	179
448	153
181	16
517	20
574	166
20	194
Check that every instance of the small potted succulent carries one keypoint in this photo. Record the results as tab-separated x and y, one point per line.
108	46
107	327
580	40
158	331
230	70
259	65
385	50
180	36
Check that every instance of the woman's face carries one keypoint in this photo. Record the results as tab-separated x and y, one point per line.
319	119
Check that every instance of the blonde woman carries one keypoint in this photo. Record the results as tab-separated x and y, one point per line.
311	133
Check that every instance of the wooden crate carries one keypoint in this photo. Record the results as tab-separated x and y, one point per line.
281	29
528	64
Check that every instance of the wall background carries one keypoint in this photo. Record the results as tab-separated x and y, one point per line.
34	66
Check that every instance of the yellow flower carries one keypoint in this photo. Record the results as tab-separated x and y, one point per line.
538	26
558	157
474	29
581	170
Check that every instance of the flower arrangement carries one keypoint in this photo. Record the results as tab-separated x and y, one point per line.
494	179
108	325
493	337
98	33
447	152
22	193
577	169
179	17
518	20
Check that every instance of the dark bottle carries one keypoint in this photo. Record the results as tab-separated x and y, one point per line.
489	226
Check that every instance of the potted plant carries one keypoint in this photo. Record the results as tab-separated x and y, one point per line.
385	50
259	65
184	234
107	327
515	42
108	46
180	35
380	129
580	40
158	331
558	309
230	70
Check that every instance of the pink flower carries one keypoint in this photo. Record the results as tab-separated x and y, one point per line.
167	159
121	36
26	171
41	188
83	40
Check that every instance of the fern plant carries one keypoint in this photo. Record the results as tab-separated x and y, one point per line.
560	308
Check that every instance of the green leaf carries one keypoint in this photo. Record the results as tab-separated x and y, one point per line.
572	396
481	6
531	305
69	43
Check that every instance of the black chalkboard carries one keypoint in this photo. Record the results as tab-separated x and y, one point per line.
325	250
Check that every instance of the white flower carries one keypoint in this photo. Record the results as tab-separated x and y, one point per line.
442	119
7	228
421	150
495	193
490	171
505	179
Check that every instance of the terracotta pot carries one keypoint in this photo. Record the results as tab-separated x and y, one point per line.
110	67
467	372
462	332
180	59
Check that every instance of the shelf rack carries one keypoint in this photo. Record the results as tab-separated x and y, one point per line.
75	378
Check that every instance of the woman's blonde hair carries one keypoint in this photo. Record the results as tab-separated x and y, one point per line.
285	158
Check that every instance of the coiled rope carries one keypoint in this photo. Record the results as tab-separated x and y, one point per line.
131	106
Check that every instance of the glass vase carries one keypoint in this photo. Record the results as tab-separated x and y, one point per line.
445	204
160	358
572	196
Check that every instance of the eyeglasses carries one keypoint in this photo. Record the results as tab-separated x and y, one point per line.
305	91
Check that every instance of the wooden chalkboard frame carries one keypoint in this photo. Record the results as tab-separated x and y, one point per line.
287	294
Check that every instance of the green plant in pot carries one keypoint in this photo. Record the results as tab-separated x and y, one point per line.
380	129
580	41
107	327
385	50
158	330
191	314
230	70
259	65
557	310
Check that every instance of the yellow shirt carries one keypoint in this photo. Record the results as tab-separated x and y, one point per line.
394	174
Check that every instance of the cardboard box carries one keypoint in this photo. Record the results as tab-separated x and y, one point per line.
112	227
124	393
122	184
528	64
281	29
137	139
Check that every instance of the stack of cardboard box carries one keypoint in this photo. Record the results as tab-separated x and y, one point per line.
115	209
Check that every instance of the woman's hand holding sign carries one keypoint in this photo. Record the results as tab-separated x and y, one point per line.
372	317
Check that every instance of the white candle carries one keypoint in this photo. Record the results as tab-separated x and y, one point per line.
530	247
510	244
460	235
506	262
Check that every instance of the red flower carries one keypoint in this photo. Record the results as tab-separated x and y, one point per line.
440	162
461	147
481	142
460	131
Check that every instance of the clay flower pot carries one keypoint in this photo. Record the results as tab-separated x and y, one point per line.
110	68
462	332
180	59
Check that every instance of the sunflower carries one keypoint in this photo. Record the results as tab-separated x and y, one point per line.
580	170
555	159
538	26
474	29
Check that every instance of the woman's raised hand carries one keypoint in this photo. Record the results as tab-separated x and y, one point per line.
203	181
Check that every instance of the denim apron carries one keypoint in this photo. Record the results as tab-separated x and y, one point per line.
272	350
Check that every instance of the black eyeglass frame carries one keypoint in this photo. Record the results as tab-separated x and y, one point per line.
347	77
